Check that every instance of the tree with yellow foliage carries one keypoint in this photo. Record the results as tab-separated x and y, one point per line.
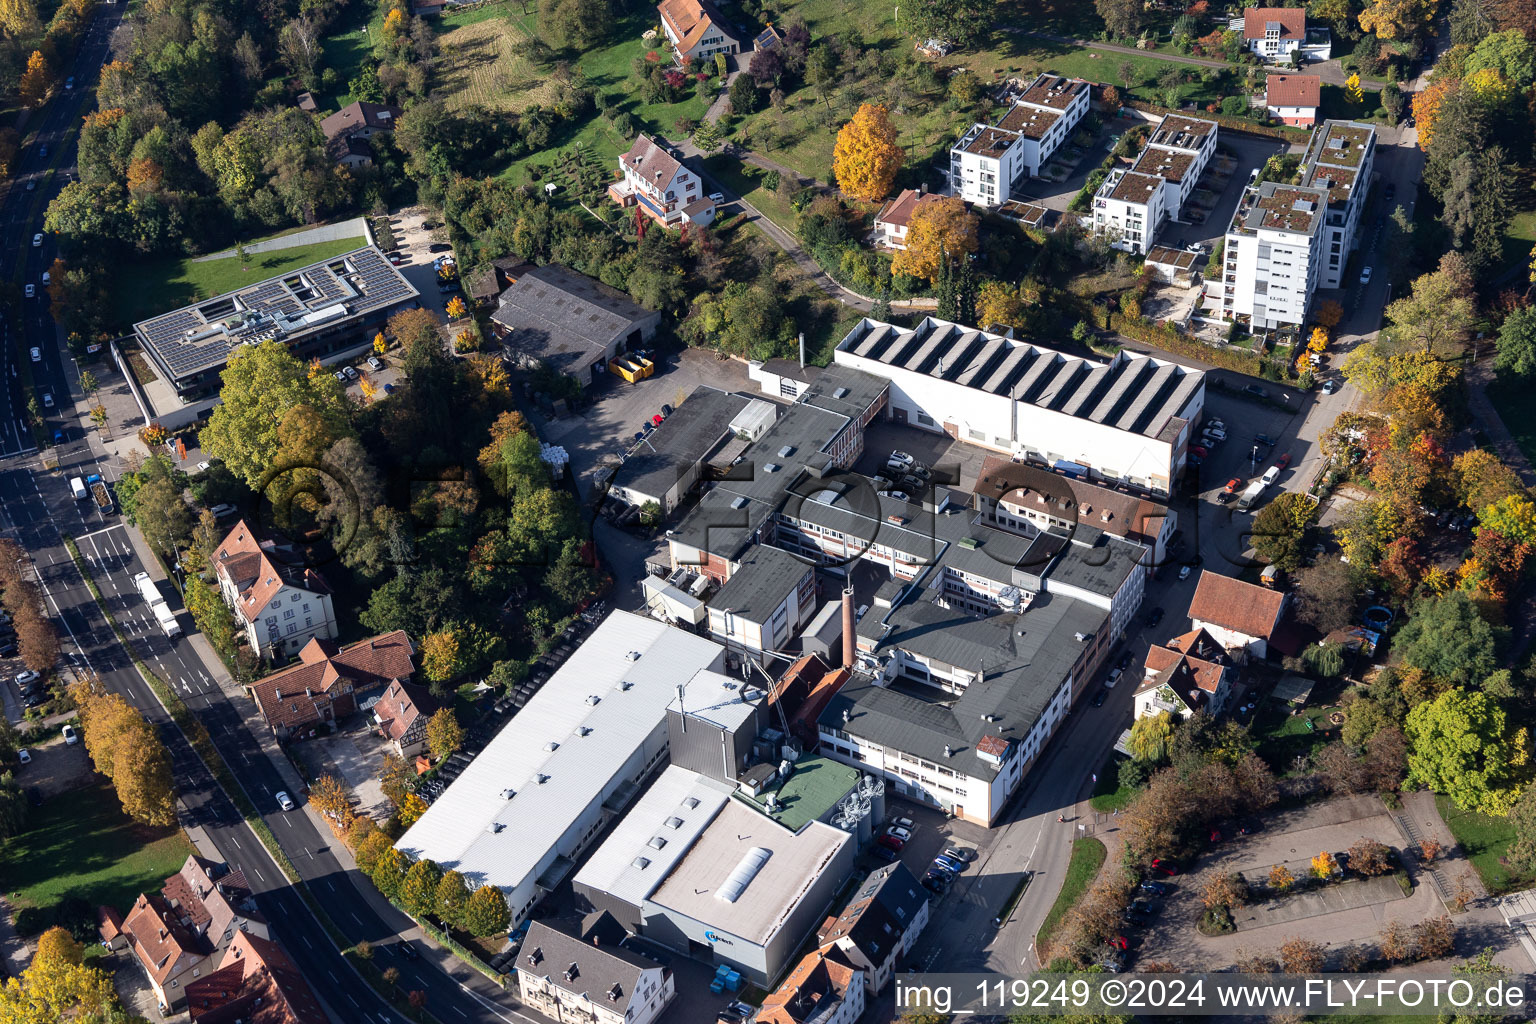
380	343
128	751
1324	866
330	798
440	655
57	944
944	224
866	157
1329	314
1352	88
1319	339
54	990
456	307
1395	19
36	80
19	18
394	22
999	303
411	809
368	388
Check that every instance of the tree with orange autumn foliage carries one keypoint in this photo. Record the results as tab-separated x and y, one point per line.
144	175
942	225
1426	108
36	80
866	157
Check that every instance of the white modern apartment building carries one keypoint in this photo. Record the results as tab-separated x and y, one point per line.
1133	205
1339	159
1286	241
988	159
1273	255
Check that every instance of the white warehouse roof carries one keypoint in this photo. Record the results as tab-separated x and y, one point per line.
515	801
677	808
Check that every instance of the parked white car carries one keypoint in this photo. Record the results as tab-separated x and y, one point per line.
284	800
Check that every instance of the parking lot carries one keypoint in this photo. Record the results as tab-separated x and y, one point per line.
596	436
1336	916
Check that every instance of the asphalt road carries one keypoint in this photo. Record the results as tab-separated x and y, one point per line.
36	508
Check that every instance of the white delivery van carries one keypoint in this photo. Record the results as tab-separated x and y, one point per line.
77	488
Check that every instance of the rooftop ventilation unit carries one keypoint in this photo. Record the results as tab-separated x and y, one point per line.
740	501
640	862
786	451
625	684
593	699
771	467
494	827
691	802
839	392
585	730
541	779
674	822
657	842
551	746
632	656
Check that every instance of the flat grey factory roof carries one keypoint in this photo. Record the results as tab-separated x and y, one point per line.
499	819
795	861
766	575
677	807
1131	392
681	440
287	307
564	318
1026	658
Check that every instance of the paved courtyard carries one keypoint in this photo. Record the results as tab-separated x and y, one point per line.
354	754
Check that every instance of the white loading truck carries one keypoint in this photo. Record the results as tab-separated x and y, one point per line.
152	597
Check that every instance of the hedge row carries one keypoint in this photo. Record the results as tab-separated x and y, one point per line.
1164	337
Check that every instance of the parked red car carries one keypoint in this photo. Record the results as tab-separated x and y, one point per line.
1164	867
890	842
1283	461
1233	485
1200	450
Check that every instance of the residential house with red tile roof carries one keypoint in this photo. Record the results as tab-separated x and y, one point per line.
1274	32
177	934
696	30
256	983
1293	99
655	180
401	716
329	683
1185	674
1242	617
1023	498
823	988
895	217
279	603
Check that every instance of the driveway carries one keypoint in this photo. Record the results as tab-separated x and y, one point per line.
355	755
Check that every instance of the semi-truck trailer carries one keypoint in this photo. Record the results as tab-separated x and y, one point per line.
157	604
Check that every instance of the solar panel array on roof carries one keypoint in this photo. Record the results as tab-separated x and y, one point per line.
201	336
1131	392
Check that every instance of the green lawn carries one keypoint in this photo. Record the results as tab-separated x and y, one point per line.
745	180
1087	857
81	844
1282	736
145	288
346	50
1484	839
1517	408
1108	793
1519	240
